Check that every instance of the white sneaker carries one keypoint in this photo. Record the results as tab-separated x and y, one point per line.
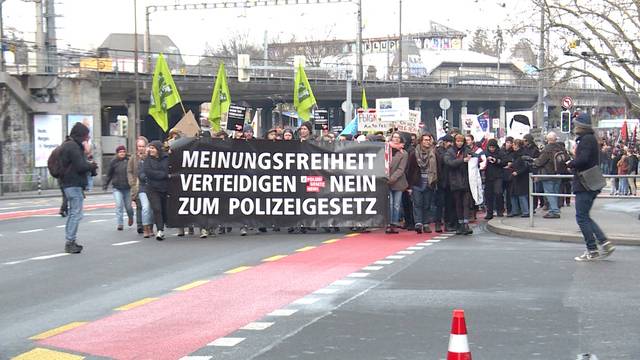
243	231
588	256
160	235
203	233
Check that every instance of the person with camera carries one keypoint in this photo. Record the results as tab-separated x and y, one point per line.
520	169
493	179
74	181
457	159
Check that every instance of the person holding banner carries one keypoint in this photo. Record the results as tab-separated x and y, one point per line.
305	132
422	174
397	180
156	171
457	159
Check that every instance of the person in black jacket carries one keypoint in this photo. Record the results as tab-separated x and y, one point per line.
74	181
493	179
156	172
456	159
507	151
586	157
445	213
117	174
520	181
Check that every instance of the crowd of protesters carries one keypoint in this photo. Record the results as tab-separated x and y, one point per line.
434	184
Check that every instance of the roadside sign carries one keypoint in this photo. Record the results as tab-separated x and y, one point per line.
567	102
445	104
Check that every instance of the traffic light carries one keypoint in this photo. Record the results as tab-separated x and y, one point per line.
574	44
565	122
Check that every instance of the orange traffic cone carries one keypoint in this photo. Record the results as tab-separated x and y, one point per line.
458	344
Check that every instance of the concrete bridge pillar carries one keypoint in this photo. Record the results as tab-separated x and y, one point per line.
463	108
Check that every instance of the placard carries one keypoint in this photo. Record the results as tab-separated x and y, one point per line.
47	135
236	117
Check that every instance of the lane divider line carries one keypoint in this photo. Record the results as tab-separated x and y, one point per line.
257	325
191	285
41	353
61	226
372	268
424	244
331	241
415	248
306	248
305	301
237	270
98	221
58	330
395	257
282	312
45	257
30	231
433	241
383	262
226	341
274	258
126	243
135	304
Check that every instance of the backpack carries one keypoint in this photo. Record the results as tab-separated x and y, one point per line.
54	163
560	159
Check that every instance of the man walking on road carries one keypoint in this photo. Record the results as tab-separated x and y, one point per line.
586	157
74	181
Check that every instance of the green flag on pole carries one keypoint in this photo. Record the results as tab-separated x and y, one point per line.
303	99
220	99
365	105
164	94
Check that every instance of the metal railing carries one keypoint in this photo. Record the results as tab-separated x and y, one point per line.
600	195
10	183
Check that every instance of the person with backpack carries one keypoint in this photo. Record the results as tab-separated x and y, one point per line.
71	167
552	161
117	174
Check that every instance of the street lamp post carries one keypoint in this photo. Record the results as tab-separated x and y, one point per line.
138	128
400	50
2	68
541	74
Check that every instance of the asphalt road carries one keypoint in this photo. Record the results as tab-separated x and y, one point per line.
523	299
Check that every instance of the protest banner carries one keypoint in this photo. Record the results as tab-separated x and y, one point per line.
519	123
285	183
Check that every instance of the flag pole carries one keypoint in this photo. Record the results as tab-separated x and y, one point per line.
183	110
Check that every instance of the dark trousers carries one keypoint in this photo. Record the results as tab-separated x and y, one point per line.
493	196
422	201
590	230
438	203
506	185
407	210
158	201
462	201
138	212
451	216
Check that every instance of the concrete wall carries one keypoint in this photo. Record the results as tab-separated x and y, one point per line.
16	139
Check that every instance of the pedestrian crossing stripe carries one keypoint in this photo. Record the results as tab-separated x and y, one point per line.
40	354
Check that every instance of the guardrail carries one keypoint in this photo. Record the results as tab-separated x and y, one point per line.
23	182
601	195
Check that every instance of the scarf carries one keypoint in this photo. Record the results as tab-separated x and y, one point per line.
428	164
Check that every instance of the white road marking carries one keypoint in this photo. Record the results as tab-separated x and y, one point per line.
396	257
257	325
30	231
305	301
282	312
226	341
343	282
358	275
61	226
45	257
15	262
415	248
97	221
384	262
405	252
126	243
433	241
372	268
325	291
441	237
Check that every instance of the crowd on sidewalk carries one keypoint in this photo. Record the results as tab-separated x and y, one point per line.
434	184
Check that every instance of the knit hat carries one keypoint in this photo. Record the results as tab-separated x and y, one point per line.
247	128
447	138
287	130
492	142
120	148
582	121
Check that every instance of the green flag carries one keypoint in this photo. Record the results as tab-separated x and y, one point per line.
220	99
303	99
365	105
164	93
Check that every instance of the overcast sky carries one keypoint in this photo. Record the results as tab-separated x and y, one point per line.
86	23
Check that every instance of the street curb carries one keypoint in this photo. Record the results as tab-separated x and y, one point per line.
46	196
497	227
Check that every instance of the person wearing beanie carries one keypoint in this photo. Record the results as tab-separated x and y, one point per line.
305	132
586	157
493	179
156	178
247	132
117	174
74	181
287	134
445	210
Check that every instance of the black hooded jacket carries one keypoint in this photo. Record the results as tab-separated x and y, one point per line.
156	170
75	165
587	156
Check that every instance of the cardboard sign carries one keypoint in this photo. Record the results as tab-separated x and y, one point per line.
188	125
368	121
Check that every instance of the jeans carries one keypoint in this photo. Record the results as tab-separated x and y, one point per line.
422	201
493	196
623	187
552	187
520	204
590	230
123	201
395	201
75	198
146	212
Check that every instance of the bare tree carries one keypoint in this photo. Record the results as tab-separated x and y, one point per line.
228	51
608	33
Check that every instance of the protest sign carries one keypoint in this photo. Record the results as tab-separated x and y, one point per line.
283	183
